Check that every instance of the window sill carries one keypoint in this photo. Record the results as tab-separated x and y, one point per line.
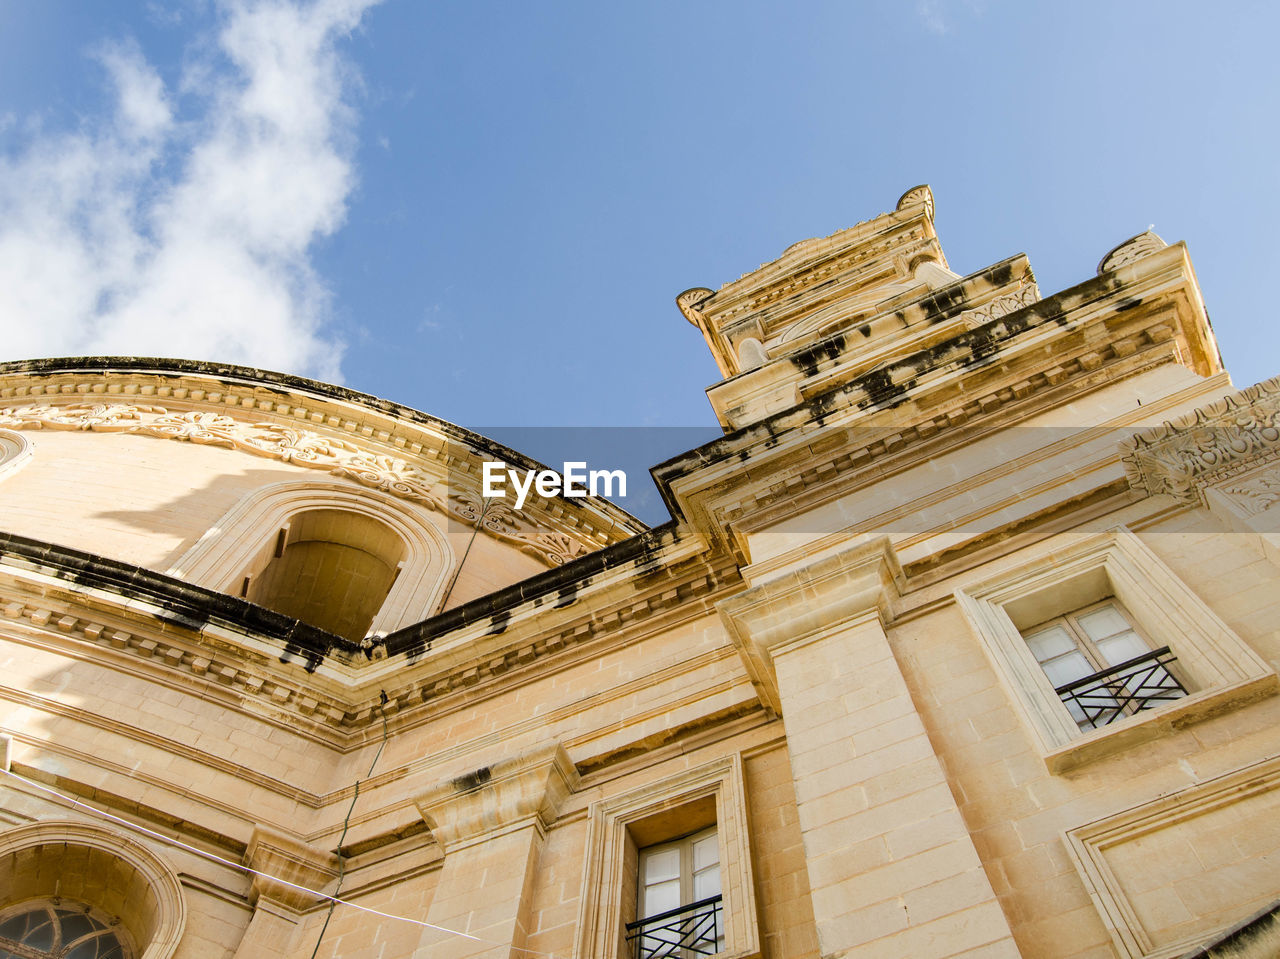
1152	724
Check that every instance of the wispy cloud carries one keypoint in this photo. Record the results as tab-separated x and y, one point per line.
155	231
938	16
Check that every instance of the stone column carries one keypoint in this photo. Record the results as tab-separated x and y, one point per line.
892	869
491	824
278	906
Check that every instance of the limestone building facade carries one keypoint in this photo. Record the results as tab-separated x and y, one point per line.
961	642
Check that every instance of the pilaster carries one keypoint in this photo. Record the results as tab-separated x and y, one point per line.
892	869
491	824
286	869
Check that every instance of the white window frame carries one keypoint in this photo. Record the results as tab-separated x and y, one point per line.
1219	669
608	877
687	872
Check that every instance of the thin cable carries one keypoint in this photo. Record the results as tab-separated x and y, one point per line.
342	862
214	857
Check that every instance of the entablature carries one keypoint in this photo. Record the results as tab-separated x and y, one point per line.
335	689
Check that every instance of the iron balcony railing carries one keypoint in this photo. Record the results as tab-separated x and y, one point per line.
692	930
1138	683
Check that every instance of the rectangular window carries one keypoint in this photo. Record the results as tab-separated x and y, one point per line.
1100	666
679	901
1089	634
668	869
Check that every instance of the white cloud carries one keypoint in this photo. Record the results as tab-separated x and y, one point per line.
937	15
159	233
930	14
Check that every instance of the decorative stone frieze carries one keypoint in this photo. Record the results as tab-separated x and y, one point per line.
1180	458
312	450
1256	494
1002	306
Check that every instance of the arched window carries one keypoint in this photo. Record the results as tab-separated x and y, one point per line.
60	929
78	891
332	568
278	546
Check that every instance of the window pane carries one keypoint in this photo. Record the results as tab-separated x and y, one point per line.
1103	622
660	865
1125	646
40	932
1068	668
1050	642
15	927
706	852
660	897
75	925
706	883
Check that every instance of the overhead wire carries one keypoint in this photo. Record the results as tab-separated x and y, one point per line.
346	823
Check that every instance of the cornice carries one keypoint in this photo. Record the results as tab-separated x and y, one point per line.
808	261
169	601
779	293
476	651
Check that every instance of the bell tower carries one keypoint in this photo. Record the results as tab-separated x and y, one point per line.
872	317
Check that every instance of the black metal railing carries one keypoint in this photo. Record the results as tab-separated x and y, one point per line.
1111	694
692	930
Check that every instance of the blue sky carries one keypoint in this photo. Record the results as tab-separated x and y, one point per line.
485	210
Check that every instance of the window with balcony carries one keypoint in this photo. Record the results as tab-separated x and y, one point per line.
679	900
1101	666
668	869
1095	640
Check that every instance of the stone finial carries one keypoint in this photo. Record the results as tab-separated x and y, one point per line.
918	194
688	302
1134	248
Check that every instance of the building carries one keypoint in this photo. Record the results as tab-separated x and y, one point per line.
961	642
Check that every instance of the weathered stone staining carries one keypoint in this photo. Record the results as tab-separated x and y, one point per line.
960	642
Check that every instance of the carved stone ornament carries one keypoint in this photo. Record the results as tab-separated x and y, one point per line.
1181	457
288	444
918	194
1002	306
1257	493
688	302
1134	248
